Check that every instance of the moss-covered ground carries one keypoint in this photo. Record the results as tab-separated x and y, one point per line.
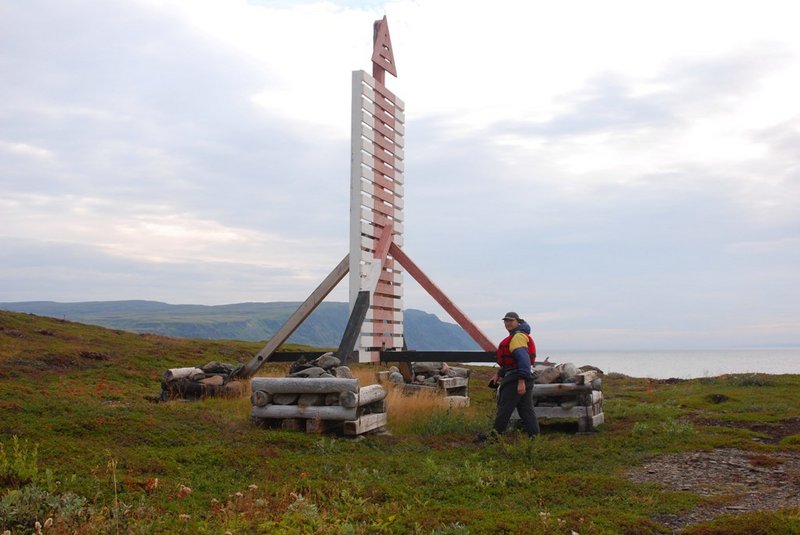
86	450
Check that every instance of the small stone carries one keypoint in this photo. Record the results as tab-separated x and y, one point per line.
396	377
343	372
312	373
327	361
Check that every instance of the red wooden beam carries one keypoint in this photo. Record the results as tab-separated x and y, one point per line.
444	301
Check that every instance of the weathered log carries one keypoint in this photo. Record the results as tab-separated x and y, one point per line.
333	412
182	373
348	399
368	422
370	394
294	385
259	398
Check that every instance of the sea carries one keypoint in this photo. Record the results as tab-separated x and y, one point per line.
684	364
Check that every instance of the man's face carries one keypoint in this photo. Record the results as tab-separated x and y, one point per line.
511	324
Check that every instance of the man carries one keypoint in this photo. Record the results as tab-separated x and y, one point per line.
515	355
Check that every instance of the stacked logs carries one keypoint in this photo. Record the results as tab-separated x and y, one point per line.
215	379
566	391
319	402
435	377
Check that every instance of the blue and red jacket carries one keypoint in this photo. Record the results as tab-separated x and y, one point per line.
517	352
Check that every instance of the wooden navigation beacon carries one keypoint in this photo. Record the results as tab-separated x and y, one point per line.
376	262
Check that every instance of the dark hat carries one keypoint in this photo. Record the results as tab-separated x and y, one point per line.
512	316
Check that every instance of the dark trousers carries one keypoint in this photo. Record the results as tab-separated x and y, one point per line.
508	400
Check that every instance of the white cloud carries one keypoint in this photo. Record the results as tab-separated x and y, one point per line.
603	167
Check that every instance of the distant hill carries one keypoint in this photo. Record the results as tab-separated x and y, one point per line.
242	321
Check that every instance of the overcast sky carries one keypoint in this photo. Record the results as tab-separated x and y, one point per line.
625	175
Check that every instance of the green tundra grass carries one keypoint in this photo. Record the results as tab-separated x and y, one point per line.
85	450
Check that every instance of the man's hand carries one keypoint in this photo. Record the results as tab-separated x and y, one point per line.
521	386
494	382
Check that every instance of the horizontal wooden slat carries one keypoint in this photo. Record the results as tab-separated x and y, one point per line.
365	423
396	132
382	89
382	181
393	329
384	301
389	289
377	314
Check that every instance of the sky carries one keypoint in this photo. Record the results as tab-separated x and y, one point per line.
623	174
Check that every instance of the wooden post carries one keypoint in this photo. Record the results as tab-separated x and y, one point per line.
294	321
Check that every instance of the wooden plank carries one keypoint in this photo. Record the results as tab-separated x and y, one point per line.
297	385
452	382
299	315
348	399
353	327
367	422
332	412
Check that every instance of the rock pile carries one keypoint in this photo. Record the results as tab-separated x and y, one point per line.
213	379
450	381
326	365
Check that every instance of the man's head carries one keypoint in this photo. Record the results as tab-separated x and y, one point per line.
512	320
